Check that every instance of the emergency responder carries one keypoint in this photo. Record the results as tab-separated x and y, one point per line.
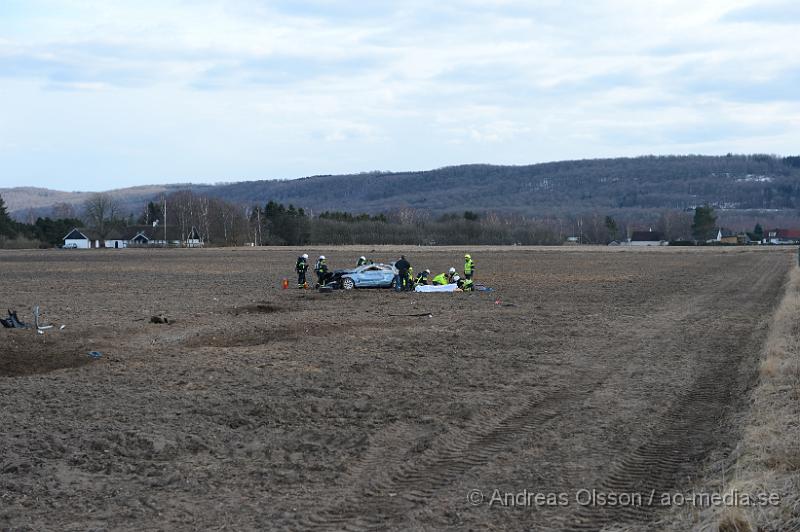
301	268
409	282
469	267
465	284
362	260
451	273
401	280
422	278
440	279
321	269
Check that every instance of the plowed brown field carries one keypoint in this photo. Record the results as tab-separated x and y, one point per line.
615	370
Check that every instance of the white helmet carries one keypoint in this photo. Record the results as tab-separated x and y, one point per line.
305	255
427	271
362	257
322	257
451	270
456	278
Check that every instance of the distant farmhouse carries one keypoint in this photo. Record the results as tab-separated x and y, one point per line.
730	237
647	238
134	236
783	236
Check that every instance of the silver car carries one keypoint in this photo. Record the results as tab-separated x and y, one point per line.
369	276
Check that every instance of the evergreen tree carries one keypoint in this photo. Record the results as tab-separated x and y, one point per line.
8	227
758	232
705	221
611	225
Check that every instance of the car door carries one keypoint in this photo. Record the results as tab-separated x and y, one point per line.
370	277
386	277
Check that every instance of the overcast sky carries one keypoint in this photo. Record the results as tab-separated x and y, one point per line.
99	94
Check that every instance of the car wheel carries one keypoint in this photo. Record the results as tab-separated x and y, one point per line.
348	283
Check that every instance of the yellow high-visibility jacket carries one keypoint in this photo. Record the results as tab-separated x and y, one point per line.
440	279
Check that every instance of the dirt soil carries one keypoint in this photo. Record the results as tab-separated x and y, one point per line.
262	408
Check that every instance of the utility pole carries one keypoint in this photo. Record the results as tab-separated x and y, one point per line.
258	228
165	221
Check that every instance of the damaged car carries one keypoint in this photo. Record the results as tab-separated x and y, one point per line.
366	276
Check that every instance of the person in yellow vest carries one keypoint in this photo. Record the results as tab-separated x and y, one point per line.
440	279
466	285
469	267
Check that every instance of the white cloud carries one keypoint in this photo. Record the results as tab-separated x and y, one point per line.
212	90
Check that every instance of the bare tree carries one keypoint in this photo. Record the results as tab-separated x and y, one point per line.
675	225
64	210
101	210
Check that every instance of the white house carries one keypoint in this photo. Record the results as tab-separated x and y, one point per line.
142	236
783	236
115	239
77	240
136	236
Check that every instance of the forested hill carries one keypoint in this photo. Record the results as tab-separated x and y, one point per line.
675	182
568	187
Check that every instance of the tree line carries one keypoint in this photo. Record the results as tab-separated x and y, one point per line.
222	223
43	232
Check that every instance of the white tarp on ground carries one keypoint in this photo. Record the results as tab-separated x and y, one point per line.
436	288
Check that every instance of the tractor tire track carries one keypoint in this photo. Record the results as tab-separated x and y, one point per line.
411	485
683	437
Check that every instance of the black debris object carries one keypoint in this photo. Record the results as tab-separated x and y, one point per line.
12	322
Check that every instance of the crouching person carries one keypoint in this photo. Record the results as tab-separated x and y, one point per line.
465	285
440	279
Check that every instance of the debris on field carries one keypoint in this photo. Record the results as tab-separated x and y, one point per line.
263	307
12	322
159	319
39	326
95	354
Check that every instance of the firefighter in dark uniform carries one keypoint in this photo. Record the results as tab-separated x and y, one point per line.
402	265
451	275
321	269
301	268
